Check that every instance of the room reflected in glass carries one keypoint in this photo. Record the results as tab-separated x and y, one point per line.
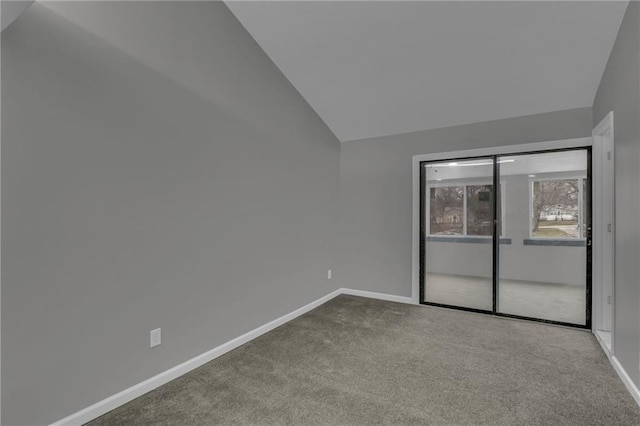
458	246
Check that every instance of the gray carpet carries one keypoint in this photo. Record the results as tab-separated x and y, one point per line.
363	361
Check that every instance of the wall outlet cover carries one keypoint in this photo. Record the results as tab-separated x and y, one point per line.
155	337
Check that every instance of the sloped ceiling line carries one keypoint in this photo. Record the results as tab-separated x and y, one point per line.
380	68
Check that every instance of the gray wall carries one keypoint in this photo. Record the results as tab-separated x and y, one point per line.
376	193
157	171
619	92
10	10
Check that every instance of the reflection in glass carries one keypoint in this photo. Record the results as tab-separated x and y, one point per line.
543	216
459	226
446	208
556	208
542	273
479	210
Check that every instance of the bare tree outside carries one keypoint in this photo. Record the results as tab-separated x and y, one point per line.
555	208
446	210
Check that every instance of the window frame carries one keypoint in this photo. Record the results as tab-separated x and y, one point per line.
464	185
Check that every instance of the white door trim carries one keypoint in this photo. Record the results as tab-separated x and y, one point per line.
481	152
603	217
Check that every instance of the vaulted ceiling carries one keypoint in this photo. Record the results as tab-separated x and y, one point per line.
376	68
10	10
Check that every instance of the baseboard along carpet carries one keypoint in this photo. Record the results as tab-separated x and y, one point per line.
362	361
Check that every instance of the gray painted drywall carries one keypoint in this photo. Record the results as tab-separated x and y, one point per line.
619	92
11	10
157	171
376	192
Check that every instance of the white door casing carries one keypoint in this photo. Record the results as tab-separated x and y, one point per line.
604	227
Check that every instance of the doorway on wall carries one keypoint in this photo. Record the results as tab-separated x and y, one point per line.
603	236
509	235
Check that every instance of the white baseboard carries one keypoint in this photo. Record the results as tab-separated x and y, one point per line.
622	373
380	296
96	410
604	346
102	407
631	387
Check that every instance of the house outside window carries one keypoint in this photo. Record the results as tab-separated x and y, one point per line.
557	207
462	210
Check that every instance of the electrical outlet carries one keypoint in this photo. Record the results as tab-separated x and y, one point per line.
155	337
329	274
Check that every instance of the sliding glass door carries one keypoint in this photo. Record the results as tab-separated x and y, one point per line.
519	251
543	274
458	213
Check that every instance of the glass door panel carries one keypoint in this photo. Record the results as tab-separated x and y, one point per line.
545	203
457	228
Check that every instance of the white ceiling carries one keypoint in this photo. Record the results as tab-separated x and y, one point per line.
386	67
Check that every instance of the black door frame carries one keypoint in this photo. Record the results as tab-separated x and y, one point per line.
587	213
